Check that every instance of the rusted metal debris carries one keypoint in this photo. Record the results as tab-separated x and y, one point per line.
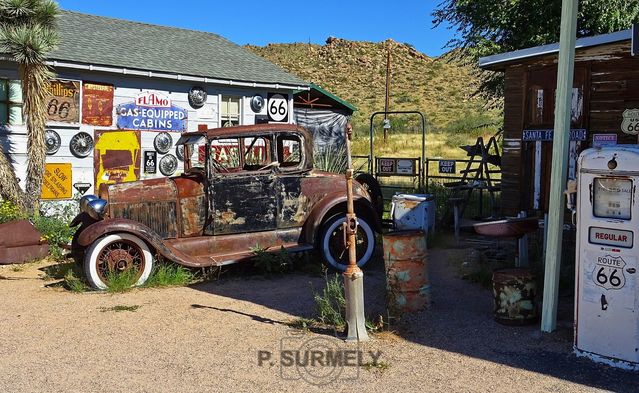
512	228
21	242
515	290
405	257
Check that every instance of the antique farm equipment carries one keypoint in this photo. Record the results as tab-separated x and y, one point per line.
413	212
405	256
481	173
514	290
20	242
242	187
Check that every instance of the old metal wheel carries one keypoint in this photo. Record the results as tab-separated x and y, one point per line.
331	243
115	254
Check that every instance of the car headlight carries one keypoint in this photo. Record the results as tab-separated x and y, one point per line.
84	201
96	208
93	206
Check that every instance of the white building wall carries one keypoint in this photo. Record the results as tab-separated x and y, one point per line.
13	139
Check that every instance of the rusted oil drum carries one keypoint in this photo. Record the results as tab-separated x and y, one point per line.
406	271
515	290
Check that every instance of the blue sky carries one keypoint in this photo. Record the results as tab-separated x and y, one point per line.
277	21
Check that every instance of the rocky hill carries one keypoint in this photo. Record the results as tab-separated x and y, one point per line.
356	71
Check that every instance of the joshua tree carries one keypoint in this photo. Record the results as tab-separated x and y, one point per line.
27	34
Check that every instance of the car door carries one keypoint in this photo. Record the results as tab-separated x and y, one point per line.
292	202
243	194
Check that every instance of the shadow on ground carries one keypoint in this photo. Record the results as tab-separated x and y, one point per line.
459	320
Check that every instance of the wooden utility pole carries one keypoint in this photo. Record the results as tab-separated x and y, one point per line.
561	140
387	98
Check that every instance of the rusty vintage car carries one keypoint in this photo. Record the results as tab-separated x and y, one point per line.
242	187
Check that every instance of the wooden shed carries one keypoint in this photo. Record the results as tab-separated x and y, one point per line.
605	110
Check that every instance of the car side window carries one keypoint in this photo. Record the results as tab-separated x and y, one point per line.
225	154
289	151
256	152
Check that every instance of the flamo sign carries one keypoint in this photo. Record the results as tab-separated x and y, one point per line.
151	111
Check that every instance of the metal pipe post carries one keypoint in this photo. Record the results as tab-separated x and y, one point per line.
353	276
565	73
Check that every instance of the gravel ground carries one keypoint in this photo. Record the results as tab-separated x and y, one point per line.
206	338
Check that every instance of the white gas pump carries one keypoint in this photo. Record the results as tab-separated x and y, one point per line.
607	297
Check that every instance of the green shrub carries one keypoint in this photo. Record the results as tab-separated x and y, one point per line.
164	275
331	159
10	212
330	305
56	232
268	262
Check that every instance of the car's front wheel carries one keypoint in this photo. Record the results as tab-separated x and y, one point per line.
331	242
117	255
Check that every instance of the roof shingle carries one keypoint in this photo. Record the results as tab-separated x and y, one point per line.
105	41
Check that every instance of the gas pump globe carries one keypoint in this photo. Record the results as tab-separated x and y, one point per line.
607	296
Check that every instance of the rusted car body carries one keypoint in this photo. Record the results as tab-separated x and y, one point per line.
243	187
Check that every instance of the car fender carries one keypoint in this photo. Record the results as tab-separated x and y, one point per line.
330	201
104	227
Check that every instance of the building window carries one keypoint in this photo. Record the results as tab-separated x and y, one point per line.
230	111
10	102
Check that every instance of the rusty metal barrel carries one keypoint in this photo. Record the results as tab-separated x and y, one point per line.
407	281
515	291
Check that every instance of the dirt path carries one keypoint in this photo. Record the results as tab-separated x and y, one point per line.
207	337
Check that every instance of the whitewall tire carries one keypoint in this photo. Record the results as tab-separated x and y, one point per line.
331	243
117	252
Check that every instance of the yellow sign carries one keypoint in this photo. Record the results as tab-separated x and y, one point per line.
117	157
56	183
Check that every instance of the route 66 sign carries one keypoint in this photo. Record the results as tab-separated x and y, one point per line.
277	108
630	124
609	272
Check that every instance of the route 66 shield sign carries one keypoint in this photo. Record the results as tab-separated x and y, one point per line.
609	272
630	124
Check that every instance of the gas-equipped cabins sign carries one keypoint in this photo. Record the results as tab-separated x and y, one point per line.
151	111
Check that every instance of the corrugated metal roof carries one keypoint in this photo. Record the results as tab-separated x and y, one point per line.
495	60
101	41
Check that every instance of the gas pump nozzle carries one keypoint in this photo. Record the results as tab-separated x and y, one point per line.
571	196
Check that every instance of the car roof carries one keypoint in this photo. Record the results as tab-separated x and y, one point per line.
251	130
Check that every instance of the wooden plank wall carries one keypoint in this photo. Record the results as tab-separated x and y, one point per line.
514	104
614	88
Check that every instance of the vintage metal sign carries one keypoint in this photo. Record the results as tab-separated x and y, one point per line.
406	167
397	166
152	111
611	237
578	134
277	108
630	123
447	166
56	183
63	102
609	272
600	140
386	166
97	104
150	162
116	157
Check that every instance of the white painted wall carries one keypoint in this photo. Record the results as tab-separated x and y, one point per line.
14	141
